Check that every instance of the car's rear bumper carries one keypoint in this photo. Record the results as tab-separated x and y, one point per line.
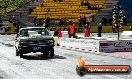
28	49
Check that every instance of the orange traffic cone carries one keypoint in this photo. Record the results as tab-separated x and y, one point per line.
86	32
59	33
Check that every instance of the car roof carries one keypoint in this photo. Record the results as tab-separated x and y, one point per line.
32	28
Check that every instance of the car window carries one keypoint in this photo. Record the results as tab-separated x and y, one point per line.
26	32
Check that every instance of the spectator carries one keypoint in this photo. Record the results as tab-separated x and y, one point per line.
59	33
82	3
14	24
86	32
91	15
87	24
39	22
47	22
104	21
85	3
17	26
35	21
110	21
80	21
84	21
88	27
44	24
18	23
30	10
99	29
61	22
56	33
64	21
71	29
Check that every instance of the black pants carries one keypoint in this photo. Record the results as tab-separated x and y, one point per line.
99	33
70	35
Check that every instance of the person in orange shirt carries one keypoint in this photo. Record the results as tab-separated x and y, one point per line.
71	29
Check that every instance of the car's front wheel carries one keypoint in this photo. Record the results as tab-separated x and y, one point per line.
46	53
52	53
21	55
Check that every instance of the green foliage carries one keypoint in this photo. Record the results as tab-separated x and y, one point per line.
11	5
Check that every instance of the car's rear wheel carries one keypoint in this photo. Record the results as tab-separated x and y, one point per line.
52	53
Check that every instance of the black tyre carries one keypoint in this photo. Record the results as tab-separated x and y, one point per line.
52	53
21	55
46	53
17	52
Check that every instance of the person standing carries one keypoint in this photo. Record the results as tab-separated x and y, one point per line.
88	27
80	21
30	10
61	22
45	24
35	21
17	26
39	22
104	21
55	33
99	29
84	21
47	21
59	33
71	29
86	32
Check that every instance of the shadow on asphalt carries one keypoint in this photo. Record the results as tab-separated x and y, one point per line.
41	57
